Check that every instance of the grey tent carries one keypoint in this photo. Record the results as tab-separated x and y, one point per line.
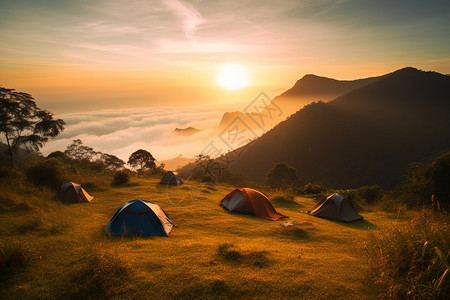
73	192
172	178
336	207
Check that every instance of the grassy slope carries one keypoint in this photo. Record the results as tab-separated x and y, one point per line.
316	259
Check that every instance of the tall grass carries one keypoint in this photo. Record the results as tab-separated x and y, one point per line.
409	260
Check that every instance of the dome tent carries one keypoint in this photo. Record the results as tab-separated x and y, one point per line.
73	192
172	178
336	207
252	202
140	217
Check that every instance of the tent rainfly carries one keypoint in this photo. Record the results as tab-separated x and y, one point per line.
252	202
140	217
73	192
336	207
172	178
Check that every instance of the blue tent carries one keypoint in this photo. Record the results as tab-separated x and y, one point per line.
140	217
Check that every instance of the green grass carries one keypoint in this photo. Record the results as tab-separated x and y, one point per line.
210	253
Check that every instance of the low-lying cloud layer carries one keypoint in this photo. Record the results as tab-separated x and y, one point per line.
121	132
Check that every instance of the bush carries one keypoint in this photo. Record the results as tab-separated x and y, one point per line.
365	194
370	194
47	172
121	177
311	189
423	180
405	259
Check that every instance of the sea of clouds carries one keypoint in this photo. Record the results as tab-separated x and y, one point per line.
122	131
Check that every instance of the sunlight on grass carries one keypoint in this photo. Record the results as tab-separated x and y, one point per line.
210	252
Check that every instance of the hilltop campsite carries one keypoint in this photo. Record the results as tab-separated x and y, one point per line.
187	149
343	221
54	249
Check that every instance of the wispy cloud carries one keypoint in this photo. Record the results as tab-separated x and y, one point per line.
190	17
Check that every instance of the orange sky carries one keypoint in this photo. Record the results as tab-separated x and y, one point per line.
90	55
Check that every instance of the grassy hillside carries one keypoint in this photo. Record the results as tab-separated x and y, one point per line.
52	250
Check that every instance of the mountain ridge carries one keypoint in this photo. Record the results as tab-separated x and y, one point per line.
366	136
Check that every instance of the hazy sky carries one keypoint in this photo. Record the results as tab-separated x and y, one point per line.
86	54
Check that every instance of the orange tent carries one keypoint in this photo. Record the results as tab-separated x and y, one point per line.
249	201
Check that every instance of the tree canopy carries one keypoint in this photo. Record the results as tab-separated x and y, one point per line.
78	151
141	160
23	124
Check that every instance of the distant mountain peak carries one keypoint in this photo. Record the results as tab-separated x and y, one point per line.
186	131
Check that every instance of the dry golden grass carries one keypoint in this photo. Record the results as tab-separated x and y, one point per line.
211	253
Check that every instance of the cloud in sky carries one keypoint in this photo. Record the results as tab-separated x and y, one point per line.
54	45
121	132
281	29
191	18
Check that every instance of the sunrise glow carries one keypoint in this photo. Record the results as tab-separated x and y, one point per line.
232	77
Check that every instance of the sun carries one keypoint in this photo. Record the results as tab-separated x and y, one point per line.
232	77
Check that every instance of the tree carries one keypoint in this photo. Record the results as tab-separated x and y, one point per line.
143	159
23	123
112	161
440	178
205	163
282	176
78	151
96	159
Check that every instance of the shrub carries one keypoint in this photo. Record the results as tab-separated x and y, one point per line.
121	177
59	155
392	204
47	172
311	189
370	194
423	180
405	260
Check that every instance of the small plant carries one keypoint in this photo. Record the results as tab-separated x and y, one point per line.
121	177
